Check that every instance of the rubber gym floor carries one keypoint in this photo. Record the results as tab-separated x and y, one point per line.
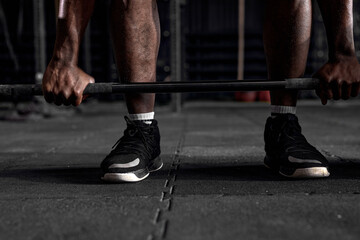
213	184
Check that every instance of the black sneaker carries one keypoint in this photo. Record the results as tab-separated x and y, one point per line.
289	153
134	155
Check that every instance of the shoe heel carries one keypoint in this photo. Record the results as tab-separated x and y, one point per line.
156	164
270	164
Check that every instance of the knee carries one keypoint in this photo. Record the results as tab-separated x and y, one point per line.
286	5
127	4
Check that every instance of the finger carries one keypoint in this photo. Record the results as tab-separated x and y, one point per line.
327	92
79	90
48	95
355	89
85	96
66	99
336	89
322	96
321	91
324	101
78	94
345	91
77	100
58	98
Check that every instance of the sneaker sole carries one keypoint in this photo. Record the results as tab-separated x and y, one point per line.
157	164
133	176
122	177
314	172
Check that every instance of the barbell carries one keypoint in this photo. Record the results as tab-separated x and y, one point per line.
21	90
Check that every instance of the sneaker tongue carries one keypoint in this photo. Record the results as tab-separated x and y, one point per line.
285	117
143	123
147	122
278	122
291	116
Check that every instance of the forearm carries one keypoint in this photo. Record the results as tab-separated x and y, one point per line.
72	19
338	20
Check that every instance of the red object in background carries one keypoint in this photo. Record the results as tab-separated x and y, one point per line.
245	96
262	96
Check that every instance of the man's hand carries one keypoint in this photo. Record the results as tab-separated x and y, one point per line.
64	83
339	79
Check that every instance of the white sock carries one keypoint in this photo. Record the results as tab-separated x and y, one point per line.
145	117
278	109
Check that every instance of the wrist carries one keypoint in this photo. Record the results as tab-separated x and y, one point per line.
340	50
66	54
66	48
60	61
67	44
342	55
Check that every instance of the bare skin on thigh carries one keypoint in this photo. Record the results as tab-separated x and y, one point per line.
135	30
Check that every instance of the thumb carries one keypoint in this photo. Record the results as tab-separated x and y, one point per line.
91	81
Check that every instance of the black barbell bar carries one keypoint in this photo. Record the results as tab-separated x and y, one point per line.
18	90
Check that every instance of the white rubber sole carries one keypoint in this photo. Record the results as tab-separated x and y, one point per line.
154	170
126	177
122	177
314	172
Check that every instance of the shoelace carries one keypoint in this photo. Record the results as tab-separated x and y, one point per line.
293	136
129	143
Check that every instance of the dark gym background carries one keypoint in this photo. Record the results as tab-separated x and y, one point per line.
213	184
209	42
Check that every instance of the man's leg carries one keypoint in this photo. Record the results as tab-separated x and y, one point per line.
287	31
135	31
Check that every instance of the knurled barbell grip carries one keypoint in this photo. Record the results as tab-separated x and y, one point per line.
172	87
205	86
302	83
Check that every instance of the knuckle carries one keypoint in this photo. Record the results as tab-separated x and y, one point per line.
56	92
325	77
77	92
66	94
91	80
47	88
